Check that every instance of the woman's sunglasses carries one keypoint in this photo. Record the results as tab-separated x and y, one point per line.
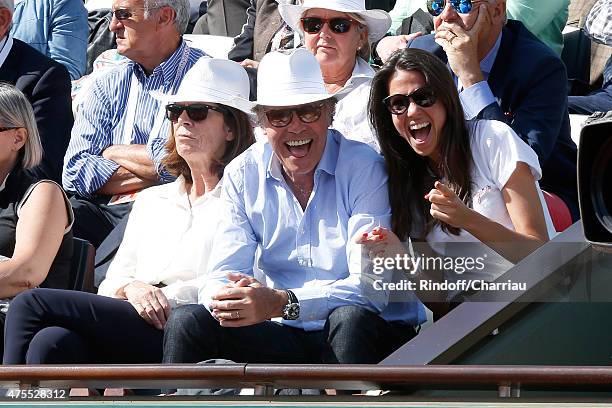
435	7
282	117
339	25
196	112
398	104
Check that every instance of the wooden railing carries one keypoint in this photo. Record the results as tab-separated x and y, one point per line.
264	378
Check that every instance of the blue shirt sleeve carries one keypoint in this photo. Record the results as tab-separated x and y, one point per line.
85	170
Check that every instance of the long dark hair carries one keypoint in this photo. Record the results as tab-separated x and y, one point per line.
409	177
241	127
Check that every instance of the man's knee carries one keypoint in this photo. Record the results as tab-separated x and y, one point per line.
352	318
188	322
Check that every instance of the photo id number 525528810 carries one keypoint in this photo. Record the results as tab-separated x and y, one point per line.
37	393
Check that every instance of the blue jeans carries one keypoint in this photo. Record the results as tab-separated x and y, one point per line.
352	335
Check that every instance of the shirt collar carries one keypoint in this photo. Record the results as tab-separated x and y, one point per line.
3	185
362	72
5	47
176	192
486	65
327	163
167	69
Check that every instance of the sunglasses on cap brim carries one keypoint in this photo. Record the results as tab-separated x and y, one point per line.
398	104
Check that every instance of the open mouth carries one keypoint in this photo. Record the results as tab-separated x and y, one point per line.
299	148
420	131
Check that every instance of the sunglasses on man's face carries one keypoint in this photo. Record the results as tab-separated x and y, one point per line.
338	25
398	104
282	117
196	112
435	7
122	14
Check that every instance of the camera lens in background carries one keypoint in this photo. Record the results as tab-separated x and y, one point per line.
601	186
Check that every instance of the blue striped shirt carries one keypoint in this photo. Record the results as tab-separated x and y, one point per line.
100	122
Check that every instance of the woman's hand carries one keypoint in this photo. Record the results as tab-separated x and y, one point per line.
448	208
149	301
381	243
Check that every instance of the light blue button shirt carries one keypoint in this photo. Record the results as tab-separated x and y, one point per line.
56	28
311	252
478	96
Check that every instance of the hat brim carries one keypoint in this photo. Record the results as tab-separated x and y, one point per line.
378	21
212	96
295	100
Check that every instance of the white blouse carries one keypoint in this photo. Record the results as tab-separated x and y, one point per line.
167	242
351	118
496	151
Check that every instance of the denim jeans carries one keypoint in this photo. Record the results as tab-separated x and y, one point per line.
352	335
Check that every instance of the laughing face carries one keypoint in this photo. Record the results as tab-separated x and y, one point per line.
420	127
299	146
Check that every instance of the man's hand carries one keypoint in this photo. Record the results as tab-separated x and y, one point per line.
249	63
462	47
244	301
388	45
149	301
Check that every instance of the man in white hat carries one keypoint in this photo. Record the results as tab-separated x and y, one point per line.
294	206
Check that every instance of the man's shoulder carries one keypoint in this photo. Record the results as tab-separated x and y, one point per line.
519	44
354	155
255	157
426	43
29	60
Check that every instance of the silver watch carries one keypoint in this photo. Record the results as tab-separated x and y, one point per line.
291	311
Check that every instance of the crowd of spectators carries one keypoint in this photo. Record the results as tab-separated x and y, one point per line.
373	139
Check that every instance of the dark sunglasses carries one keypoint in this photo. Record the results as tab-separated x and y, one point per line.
435	7
125	14
339	25
398	104
282	117
4	129
196	112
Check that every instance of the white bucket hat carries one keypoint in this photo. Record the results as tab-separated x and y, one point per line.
213	80
378	21
289	79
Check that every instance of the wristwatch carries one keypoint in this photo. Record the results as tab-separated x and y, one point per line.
291	311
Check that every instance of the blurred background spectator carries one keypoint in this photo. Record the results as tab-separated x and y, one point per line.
56	28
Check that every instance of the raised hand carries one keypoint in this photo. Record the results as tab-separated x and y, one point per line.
447	207
462	48
381	243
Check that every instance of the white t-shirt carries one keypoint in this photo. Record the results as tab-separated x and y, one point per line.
496	151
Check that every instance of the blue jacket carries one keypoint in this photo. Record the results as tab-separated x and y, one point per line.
56	28
529	82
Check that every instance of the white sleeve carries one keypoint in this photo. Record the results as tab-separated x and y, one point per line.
122	269
495	146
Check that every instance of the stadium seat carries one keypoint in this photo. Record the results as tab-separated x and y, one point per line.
559	212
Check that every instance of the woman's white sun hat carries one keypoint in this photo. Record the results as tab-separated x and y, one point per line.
213	80
290	79
378	21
